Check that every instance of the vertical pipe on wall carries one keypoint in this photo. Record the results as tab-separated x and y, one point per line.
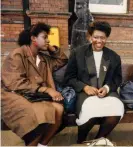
27	20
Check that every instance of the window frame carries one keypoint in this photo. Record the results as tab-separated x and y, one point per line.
104	8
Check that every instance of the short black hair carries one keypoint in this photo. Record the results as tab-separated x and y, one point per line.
101	26
25	36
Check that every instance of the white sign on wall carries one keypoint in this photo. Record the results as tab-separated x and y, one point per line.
108	6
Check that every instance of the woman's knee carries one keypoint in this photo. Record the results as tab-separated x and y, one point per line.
111	119
59	109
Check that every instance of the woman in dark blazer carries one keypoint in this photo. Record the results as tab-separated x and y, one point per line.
94	71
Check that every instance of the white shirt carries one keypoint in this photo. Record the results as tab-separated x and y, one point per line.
97	58
37	60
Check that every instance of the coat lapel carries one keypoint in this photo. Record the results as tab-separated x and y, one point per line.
50	80
30	59
34	65
103	68
89	58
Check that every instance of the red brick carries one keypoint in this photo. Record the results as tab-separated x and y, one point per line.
52	6
11	4
120	24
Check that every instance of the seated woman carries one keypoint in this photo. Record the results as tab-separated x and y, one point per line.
94	71
28	70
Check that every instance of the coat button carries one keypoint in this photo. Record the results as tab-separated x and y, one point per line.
36	77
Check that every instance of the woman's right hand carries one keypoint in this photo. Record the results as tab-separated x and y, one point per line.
56	96
89	90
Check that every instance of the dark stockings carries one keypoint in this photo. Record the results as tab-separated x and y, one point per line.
28	138
85	128
107	124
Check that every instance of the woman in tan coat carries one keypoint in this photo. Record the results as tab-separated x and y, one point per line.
28	70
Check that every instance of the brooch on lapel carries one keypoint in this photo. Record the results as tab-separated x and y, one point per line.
104	68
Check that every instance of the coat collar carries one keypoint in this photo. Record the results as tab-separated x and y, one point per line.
45	65
92	68
30	58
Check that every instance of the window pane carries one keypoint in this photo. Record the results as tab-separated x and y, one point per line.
107	2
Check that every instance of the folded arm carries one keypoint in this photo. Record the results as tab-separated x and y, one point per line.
57	58
116	77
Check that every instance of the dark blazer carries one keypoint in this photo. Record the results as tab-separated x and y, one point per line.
81	69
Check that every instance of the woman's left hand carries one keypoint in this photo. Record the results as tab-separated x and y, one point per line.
56	96
102	92
51	48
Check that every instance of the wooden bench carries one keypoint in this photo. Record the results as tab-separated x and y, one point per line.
69	119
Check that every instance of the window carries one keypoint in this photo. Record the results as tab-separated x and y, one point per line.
108	6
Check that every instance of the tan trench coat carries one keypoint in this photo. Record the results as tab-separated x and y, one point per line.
19	72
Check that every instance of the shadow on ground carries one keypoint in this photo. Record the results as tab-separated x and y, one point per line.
122	135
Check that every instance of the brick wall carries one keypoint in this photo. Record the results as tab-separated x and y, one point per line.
16	4
55	13
130	2
49	5
12	24
9	28
11	31
9	37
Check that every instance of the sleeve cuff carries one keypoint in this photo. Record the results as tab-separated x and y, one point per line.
107	87
38	88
